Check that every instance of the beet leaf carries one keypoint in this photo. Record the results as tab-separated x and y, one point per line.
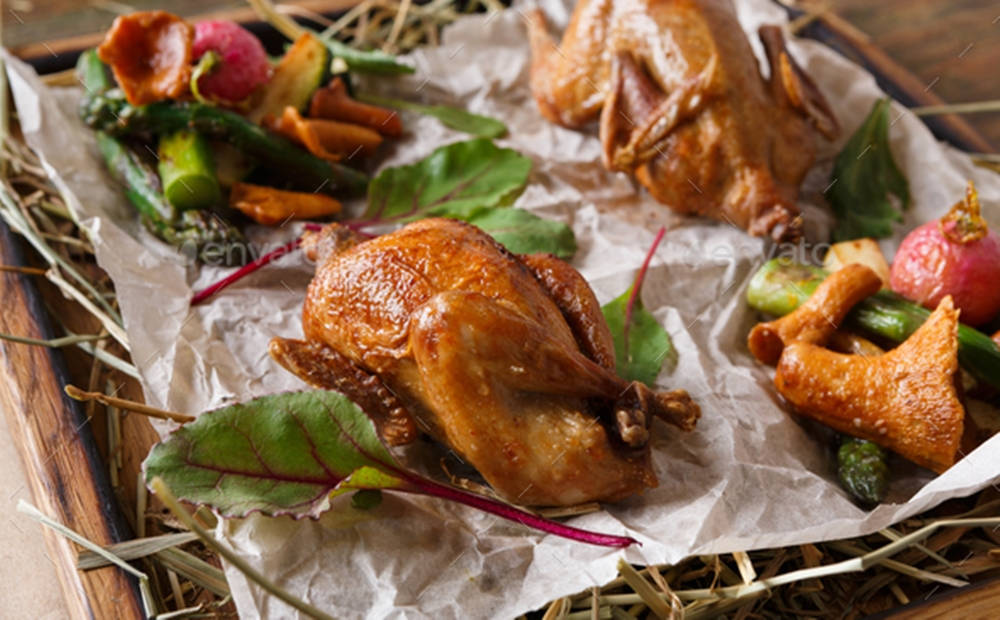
864	174
641	343
455	180
291	453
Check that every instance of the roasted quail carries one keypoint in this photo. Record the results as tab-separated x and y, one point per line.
684	107
506	359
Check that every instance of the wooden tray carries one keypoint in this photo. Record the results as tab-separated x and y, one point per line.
55	440
66	475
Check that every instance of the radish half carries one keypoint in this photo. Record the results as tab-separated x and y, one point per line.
957	255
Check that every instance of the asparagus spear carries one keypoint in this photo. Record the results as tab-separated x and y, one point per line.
187	170
780	286
863	469
119	118
140	184
204	234
208	236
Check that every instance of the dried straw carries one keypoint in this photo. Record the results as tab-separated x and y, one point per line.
845	579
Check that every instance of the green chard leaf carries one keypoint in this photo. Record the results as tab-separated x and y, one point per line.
523	232
280	454
474	181
456	180
641	343
288	454
864	174
453	118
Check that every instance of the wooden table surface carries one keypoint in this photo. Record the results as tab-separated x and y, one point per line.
951	46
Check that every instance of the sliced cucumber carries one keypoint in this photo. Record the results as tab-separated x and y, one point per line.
304	68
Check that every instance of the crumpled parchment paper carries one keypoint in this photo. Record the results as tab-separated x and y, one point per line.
748	477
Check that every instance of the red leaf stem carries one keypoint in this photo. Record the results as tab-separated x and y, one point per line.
639	277
425	486
245	270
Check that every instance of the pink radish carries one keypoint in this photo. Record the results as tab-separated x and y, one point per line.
956	255
243	63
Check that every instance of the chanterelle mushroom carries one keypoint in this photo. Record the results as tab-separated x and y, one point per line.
150	54
506	359
819	317
904	400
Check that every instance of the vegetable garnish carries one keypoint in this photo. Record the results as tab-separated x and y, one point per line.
863	470
523	232
641	343
864	174
119	118
208	61
240	64
453	118
957	255
245	270
780	286
291	453
472	181
455	181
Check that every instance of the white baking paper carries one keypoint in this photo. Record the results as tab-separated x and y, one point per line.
748	477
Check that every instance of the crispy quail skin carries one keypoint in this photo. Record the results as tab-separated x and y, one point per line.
683	106
505	359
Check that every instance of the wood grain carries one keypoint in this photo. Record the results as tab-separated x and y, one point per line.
896	79
951	46
976	602
65	474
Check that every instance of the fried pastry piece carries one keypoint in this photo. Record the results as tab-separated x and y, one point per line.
150	55
819	317
904	400
684	107
505	359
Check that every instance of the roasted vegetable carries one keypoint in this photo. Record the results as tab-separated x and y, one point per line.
119	118
780	286
864	251
187	171
140	184
200	232
303	69
957	255
210	238
331	140
816	320
451	117
904	400
374	61
334	103
241	64
863	470
150	52
269	206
